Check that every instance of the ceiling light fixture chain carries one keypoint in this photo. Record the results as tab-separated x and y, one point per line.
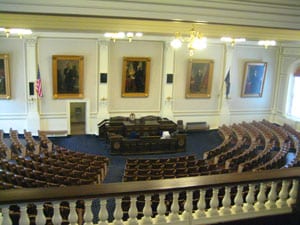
195	41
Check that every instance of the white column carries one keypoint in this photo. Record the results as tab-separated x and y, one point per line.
167	88
103	49
33	103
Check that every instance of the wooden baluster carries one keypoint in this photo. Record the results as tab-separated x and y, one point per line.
147	211
201	204
226	202
293	193
261	198
283	195
73	217
56	219
5	215
174	215
188	206
118	213
238	201
103	213
214	203
161	209
24	220
132	212
88	214
272	196
250	199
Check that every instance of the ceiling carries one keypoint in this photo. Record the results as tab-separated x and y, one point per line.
255	19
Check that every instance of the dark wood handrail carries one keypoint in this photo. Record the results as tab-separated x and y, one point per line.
137	187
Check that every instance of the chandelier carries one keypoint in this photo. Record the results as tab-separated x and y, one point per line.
194	42
15	31
122	35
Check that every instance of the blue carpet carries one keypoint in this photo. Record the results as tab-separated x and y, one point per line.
197	144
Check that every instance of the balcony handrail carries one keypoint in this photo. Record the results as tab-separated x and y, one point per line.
14	196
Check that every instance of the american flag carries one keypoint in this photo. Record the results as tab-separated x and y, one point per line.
38	85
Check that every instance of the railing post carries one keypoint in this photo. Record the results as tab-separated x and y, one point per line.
214	203
174	215
238	200
5	215
24	220
283	194
132	212
56	214
161	209
88	214
250	198
261	198
103	214
226	202
118	213
201	205
293	193
272	196
73	218
147	211
188	207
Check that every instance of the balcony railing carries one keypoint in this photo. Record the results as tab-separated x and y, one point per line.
192	200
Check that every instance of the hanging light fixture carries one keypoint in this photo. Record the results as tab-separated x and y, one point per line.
122	35
194	42
15	31
267	43
233	41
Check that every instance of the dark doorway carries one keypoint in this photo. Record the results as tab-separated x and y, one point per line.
77	118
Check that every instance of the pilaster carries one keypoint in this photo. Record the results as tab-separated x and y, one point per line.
33	103
168	80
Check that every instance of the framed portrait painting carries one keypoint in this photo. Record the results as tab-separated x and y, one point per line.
199	78
4	77
135	76
254	78
67	72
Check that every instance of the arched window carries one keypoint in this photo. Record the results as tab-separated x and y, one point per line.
294	97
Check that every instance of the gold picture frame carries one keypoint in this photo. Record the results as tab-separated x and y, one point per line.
136	76
199	78
254	79
67	71
4	77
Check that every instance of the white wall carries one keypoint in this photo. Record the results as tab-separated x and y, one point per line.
54	113
13	111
